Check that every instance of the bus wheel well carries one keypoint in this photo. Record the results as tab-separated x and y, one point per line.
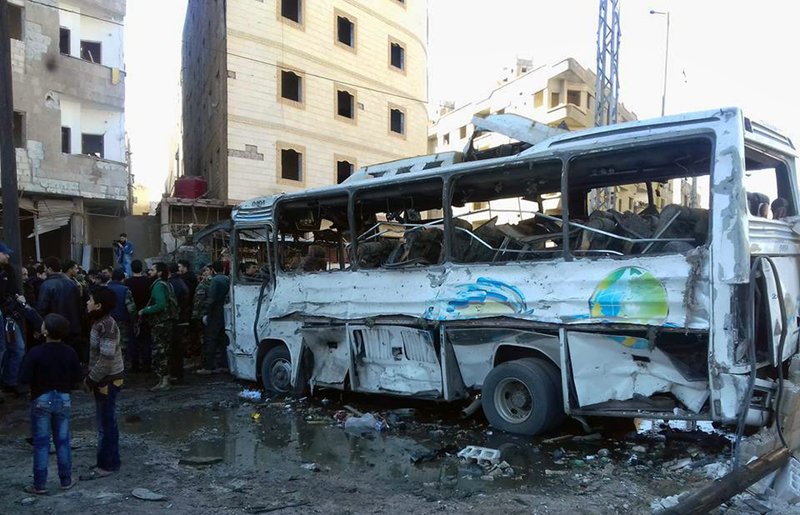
506	353
264	347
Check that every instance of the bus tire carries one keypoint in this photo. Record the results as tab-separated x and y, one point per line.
555	377
276	371
520	397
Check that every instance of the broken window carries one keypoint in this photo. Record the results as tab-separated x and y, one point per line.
615	198
291	86
345	104
91	51
554	99
507	215
15	17
766	181
538	98
400	225
292	10
252	259
397	55
344	169
18	130
64	42
313	234
66	140
92	145
397	121
291	164
345	31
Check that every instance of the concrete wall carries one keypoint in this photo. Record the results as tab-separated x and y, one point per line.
260	43
89	29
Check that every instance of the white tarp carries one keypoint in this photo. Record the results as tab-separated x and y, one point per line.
611	367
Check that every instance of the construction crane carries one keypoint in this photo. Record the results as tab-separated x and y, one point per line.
606	95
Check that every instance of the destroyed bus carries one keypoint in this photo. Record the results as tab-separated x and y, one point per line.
647	269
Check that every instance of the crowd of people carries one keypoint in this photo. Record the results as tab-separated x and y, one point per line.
68	328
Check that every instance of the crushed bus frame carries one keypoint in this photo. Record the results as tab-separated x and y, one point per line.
526	279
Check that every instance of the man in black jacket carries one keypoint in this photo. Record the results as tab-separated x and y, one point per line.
59	294
12	341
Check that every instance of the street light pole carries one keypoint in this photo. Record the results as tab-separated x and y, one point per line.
666	62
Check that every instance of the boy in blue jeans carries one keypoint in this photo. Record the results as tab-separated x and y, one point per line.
51	369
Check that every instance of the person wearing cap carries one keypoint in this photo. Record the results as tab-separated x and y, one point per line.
12	315
123	252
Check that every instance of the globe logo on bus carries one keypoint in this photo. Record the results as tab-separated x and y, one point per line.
629	293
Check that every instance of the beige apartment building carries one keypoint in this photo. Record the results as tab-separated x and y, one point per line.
280	95
69	125
559	95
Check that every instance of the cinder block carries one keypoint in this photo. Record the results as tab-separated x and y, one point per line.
787	482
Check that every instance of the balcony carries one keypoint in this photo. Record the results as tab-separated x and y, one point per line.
92	81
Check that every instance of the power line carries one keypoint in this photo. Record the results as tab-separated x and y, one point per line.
77	12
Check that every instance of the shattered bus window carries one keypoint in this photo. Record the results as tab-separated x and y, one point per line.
400	225
312	235
508	215
252	260
644	200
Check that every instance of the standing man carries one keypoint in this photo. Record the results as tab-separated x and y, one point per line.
59	294
181	327
123	251
141	345
198	312
214	337
12	341
162	313
124	312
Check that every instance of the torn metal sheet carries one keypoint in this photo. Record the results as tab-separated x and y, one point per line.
611	367
516	127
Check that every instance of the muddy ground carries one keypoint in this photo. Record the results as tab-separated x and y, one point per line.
208	452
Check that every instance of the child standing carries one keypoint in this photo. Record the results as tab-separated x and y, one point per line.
51	369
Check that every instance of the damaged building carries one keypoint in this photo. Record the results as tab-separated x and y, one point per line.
69	126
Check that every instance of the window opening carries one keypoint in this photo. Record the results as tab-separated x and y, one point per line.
345	104
291	86
15	17
507	215
18	129
345	31
554	99
538	98
400	226
92	145
344	169
398	56
574	97
291	164
252	265
398	121
91	51
766	181
313	234
64	42
66	140
291	9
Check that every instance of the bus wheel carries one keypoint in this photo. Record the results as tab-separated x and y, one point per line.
519	397
276	370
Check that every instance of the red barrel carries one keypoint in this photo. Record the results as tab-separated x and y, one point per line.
190	186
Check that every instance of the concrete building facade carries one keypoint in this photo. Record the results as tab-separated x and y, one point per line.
280	95
69	124
559	95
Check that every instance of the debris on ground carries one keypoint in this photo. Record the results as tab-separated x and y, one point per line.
250	395
313	467
364	423
480	455
148	495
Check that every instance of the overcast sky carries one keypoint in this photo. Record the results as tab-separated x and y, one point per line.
722	52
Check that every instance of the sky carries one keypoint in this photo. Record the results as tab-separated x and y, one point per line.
721	53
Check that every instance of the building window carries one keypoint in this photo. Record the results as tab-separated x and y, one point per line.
291	86
291	164
554	100
15	22
446	139
397	121
64	43
589	100
91	51
345	104
92	145
344	169
18	129
66	140
292	10
345	31
574	97
397	55
462	132
538	98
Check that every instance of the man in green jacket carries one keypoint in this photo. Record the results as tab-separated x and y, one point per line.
214	339
162	313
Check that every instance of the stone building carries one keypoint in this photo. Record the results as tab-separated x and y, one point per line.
559	95
288	94
69	125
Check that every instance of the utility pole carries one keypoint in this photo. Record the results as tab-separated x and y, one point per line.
8	157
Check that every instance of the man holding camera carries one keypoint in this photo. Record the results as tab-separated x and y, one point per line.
123	252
